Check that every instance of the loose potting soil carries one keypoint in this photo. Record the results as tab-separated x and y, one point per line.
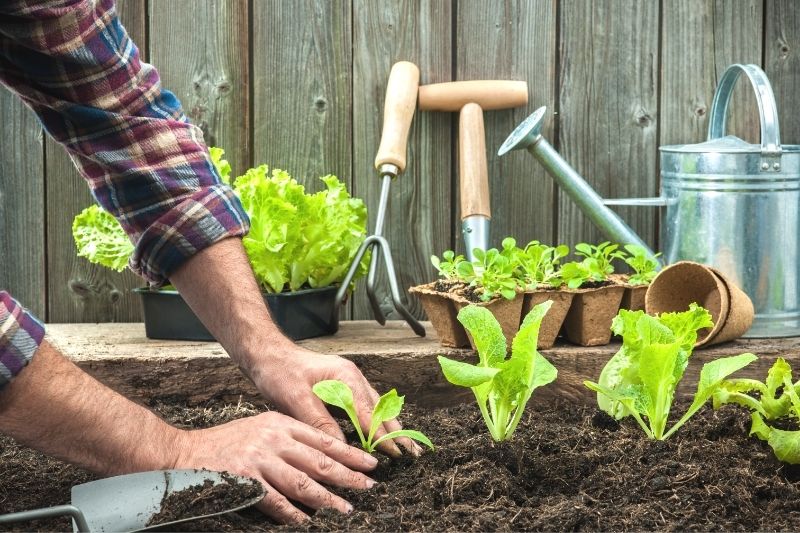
567	468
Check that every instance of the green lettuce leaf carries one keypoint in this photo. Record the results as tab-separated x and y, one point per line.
100	239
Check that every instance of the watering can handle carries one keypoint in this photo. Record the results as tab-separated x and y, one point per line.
768	111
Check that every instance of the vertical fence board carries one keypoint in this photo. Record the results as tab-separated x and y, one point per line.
302	75
700	40
77	290
22	215
516	42
418	220
608	105
782	42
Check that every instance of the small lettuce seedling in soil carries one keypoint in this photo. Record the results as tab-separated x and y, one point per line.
641	378
775	398
502	386
538	263
575	274
644	265
492	272
447	266
598	258
335	392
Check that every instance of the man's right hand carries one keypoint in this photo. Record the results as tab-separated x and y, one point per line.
288	457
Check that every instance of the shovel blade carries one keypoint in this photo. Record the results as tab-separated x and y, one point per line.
127	503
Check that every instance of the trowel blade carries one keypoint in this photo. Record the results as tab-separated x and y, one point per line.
126	503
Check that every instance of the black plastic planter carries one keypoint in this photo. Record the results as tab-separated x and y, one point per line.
300	315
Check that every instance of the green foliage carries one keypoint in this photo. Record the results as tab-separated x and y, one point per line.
641	378
598	258
447	266
574	274
492	271
502	386
644	265
100	239
222	165
337	393
538	263
775	398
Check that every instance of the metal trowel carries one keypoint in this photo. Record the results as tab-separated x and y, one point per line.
127	503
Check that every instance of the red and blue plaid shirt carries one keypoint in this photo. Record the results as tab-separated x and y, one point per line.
73	63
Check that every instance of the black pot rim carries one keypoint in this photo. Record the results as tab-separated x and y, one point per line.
328	288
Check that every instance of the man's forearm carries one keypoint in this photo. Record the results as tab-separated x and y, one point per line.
219	286
57	408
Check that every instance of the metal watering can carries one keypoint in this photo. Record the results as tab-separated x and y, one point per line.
726	203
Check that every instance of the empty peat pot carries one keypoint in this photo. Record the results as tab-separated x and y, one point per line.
302	314
687	282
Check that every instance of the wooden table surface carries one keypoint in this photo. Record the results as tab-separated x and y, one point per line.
390	356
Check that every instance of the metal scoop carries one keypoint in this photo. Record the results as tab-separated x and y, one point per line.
127	503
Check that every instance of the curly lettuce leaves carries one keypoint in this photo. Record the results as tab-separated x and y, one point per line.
222	165
100	239
502	386
641	378
296	239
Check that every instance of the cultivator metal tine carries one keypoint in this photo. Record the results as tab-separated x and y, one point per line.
371	277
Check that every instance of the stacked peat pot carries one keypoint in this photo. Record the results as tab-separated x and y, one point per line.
586	294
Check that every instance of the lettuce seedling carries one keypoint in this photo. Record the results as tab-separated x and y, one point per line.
447	266
502	385
598	258
492	271
537	265
777	397
644	265
335	392
574	274
641	378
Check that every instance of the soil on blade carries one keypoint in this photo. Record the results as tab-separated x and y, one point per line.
567	468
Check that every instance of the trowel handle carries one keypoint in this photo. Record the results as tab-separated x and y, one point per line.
472	167
489	94
398	110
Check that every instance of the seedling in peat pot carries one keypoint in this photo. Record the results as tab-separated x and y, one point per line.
492	271
598	258
777	397
644	264
502	386
447	266
538	265
641	378
335	392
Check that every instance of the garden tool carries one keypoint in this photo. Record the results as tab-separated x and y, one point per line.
127	503
401	99
727	203
471	98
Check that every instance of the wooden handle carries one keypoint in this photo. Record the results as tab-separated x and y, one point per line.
489	94
398	110
472	167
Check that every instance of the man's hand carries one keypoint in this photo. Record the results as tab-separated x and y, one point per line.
219	286
290	459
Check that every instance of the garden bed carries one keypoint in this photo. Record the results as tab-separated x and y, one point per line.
567	468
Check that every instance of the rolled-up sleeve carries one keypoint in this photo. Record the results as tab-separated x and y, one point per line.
20	336
73	63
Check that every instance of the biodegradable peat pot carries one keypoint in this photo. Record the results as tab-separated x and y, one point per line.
686	282
441	311
299	314
588	322
633	298
507	312
554	319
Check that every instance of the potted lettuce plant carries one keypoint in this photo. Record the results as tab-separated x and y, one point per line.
300	246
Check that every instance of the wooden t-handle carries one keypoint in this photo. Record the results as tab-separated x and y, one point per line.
398	110
489	94
472	166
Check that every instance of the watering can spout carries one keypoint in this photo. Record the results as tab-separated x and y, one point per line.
528	136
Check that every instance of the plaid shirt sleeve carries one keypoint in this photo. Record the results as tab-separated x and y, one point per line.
73	63
20	337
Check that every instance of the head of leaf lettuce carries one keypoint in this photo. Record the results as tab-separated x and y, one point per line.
297	240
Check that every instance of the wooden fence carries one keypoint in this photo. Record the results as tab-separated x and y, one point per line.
299	84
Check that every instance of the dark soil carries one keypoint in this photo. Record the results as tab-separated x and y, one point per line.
568	468
206	498
459	288
596	284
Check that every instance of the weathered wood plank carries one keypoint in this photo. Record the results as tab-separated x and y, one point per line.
608	98
22	214
419	217
782	64
516	40
700	40
390	357
77	290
